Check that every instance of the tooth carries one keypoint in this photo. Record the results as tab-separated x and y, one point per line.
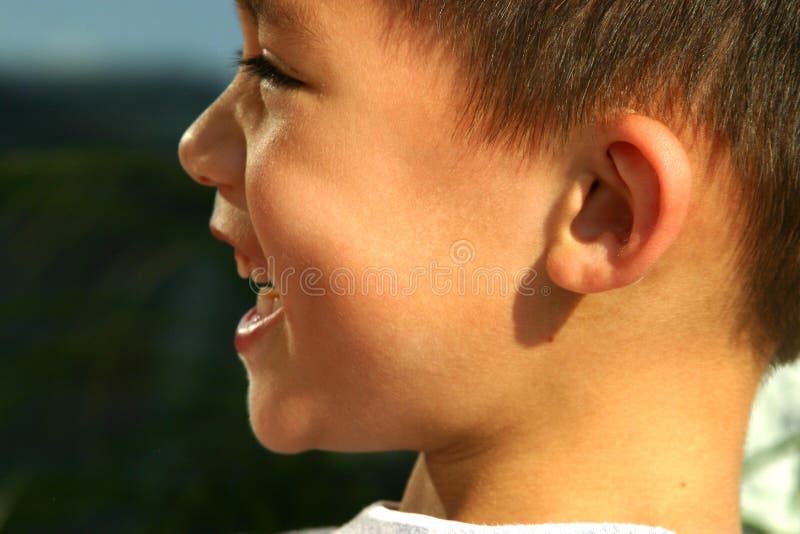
275	305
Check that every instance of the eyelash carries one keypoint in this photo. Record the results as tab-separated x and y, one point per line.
260	67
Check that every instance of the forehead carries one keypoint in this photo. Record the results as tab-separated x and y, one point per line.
309	18
289	16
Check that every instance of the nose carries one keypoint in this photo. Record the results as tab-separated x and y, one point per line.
213	150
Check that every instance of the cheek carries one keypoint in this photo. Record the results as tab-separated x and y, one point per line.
322	197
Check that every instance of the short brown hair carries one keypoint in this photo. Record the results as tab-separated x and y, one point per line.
537	67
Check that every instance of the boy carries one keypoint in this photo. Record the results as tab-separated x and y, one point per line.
550	245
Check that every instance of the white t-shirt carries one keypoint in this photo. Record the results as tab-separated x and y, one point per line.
384	517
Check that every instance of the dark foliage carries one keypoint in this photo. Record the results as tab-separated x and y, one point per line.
122	402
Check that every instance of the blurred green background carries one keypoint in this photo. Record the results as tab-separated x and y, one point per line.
122	401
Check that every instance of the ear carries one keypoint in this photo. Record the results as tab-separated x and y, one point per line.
625	206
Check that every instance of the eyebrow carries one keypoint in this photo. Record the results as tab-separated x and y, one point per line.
277	13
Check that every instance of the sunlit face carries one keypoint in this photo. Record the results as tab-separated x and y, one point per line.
352	175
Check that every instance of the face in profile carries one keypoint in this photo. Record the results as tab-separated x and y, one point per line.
338	178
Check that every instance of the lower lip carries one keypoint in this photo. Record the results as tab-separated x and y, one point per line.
253	327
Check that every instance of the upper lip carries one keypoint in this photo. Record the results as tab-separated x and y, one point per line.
244	260
221	236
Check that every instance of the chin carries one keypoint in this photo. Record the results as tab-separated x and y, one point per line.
278	441
286	426
281	425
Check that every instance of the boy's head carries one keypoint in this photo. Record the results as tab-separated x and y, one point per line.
723	72
476	211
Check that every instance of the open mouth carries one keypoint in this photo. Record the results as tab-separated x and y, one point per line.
269	295
264	316
269	303
261	281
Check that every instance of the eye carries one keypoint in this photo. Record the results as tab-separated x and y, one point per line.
260	67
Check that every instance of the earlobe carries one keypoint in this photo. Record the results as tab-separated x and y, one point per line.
619	225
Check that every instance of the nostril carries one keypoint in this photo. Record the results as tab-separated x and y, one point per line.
212	150
188	158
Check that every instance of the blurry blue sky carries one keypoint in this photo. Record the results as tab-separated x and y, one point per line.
57	37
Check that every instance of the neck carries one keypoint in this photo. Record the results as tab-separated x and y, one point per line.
632	450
